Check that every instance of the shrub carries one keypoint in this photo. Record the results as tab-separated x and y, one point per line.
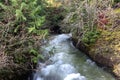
20	27
84	13
116	1
90	37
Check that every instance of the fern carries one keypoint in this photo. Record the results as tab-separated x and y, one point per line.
19	15
3	6
23	17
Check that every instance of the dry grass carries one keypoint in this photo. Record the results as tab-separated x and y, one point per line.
53	3
88	15
4	59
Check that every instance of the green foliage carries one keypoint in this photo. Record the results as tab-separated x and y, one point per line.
21	22
27	14
55	15
90	36
36	55
82	13
73	18
116	1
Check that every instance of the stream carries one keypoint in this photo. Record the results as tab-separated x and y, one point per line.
65	62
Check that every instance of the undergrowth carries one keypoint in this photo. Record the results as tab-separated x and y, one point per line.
93	14
21	30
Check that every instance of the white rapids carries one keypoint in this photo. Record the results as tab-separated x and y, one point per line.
65	62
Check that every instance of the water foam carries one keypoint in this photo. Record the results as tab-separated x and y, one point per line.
74	76
60	38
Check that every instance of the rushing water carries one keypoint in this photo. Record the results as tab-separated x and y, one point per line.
65	62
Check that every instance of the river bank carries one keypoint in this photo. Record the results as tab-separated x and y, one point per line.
100	42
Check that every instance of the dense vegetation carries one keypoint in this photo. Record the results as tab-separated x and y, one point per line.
87	19
20	25
21	32
25	23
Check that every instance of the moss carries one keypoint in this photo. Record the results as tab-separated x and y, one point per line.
107	42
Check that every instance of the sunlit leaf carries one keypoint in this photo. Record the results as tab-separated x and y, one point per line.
31	29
